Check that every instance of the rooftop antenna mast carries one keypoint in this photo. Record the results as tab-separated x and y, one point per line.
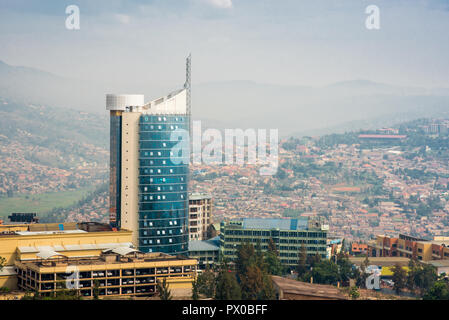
187	86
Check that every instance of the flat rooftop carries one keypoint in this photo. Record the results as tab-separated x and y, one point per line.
205	245
199	196
33	233
304	289
381	261
34	229
438	263
135	257
281	224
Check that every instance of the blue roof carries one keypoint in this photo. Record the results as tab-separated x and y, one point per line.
205	245
281	224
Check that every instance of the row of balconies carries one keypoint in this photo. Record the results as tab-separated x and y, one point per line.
110	274
84	285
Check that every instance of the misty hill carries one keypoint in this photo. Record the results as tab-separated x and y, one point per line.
29	85
294	110
314	110
53	136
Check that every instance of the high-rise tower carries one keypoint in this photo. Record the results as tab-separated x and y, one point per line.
148	183
117	104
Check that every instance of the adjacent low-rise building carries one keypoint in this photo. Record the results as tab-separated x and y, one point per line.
410	247
289	235
115	272
206	252
291	289
40	257
359	248
200	215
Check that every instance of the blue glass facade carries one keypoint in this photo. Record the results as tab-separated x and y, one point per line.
163	197
115	168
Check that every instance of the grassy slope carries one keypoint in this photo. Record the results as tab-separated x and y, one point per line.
41	203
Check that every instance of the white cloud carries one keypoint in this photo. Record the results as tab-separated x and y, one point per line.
123	18
224	4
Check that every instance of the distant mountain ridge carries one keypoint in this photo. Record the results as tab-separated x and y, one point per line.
30	85
247	104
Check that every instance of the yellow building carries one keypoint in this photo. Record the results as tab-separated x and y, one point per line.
116	272
39	249
72	239
410	247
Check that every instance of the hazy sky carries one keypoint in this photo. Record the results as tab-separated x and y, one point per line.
136	43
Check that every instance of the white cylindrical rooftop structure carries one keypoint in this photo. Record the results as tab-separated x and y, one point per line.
121	101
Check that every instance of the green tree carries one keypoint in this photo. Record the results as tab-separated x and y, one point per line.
245	257
252	283
96	289
260	258
195	290
421	277
2	263
163	290
312	260
65	294
274	265
272	247
365	262
211	232
252	273
227	286
272	261
343	246
344	268
302	262
399	278
354	292
206	283
413	266
268	292
325	272
361	279
439	291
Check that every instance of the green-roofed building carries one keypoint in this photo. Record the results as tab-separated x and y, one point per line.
288	235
